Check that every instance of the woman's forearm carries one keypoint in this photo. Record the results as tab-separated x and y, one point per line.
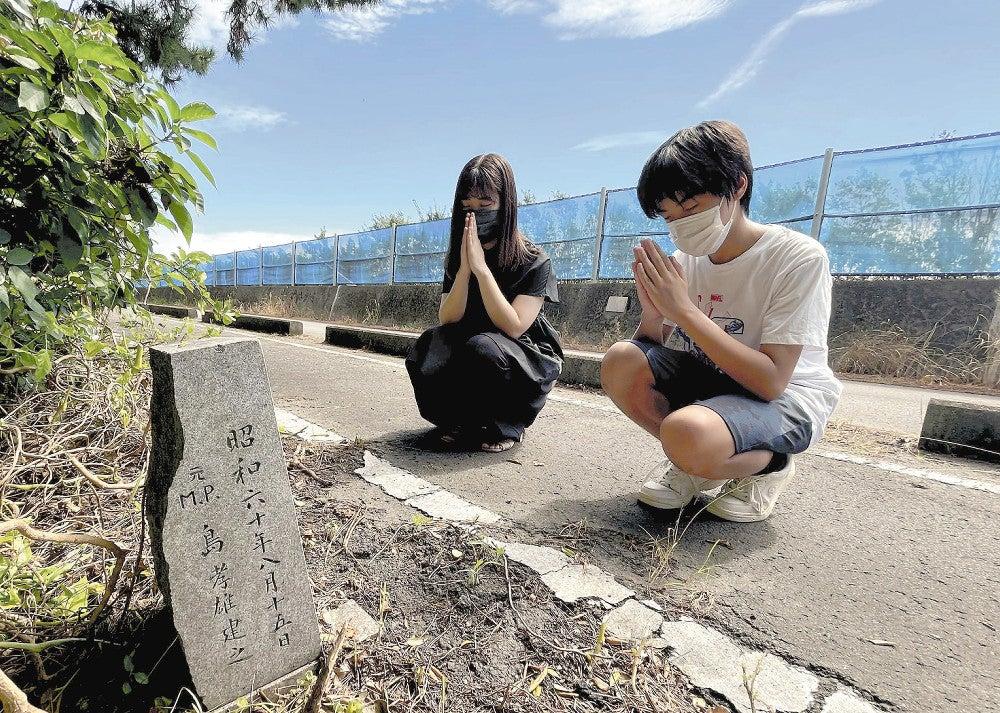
501	312
453	305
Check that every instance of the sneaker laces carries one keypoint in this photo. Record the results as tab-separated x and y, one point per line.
748	490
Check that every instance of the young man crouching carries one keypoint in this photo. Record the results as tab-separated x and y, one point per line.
728	368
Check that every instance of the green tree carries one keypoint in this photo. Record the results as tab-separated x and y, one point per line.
154	33
89	150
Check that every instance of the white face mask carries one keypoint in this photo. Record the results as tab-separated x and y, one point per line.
702	233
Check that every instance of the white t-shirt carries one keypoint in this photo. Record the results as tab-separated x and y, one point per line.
777	292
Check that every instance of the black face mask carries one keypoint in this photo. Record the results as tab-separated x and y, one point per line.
487	225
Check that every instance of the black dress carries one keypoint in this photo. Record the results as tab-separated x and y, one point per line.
470	375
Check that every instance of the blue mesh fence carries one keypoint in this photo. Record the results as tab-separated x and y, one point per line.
624	226
248	267
567	230
277	264
927	208
365	258
420	251
225	269
787	191
208	268
315	261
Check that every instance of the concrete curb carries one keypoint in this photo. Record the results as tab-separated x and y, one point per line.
259	323
961	429
581	368
174	311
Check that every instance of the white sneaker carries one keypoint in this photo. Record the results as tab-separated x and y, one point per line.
752	499
670	488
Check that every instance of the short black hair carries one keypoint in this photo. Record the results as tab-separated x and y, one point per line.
707	158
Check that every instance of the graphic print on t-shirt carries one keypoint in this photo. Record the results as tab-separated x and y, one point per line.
730	324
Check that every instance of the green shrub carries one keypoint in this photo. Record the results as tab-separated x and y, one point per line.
89	149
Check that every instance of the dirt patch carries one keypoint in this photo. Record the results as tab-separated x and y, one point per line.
462	628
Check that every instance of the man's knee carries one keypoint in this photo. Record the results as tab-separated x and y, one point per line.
623	368
690	439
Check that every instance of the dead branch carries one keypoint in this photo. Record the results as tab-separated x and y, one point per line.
13	698
324	675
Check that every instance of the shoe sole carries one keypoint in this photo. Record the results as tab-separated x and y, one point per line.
651	502
740	517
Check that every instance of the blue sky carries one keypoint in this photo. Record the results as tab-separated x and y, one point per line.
332	118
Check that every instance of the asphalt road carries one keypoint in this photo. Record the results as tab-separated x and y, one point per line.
887	582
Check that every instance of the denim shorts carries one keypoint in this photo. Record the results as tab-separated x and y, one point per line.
779	426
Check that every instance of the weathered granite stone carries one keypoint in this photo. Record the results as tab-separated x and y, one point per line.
223	523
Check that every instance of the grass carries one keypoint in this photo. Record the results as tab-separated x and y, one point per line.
896	353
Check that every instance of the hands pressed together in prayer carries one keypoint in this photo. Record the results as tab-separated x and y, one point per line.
660	283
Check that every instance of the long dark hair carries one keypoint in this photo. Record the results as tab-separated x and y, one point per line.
490	175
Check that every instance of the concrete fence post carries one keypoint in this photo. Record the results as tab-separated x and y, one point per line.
236	268
599	234
294	251
824	185
260	265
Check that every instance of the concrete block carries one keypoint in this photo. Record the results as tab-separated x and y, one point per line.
396	482
847	702
962	429
260	323
582	368
710	659
617	303
576	581
174	311
448	506
383	341
633	621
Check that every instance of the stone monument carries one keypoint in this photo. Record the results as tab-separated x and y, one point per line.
223	523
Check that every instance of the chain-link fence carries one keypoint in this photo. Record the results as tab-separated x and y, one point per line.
931	208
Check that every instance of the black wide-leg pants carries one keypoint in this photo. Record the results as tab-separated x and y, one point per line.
479	381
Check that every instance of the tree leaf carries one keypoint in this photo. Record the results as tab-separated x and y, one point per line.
32	97
197	111
203	137
183	219
196	160
4	297
19	256
24	284
103	53
4	237
71	251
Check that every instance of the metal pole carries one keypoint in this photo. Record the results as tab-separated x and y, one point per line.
392	257
336	259
599	234
236	268
824	184
294	251
260	265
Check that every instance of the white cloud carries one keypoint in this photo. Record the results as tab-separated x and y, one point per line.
359	24
614	141
209	26
509	7
753	62
242	118
628	18
168	242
